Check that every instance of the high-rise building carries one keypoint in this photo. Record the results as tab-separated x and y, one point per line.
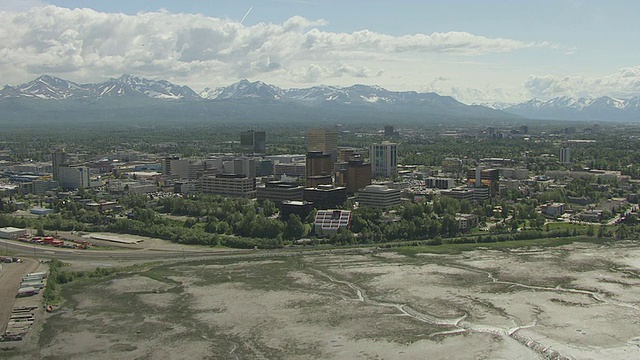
318	164
254	141
325	140
73	177
358	175
565	155
388	130
245	166
176	167
58	159
384	159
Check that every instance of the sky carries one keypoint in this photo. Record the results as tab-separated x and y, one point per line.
476	51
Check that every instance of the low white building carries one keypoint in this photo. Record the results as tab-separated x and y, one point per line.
12	233
379	196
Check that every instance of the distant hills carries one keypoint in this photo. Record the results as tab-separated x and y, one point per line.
566	108
48	98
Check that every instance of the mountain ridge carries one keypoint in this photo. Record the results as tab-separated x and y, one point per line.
132	91
569	108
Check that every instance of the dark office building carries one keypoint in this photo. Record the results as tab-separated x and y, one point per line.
278	191
254	141
325	196
318	164
300	208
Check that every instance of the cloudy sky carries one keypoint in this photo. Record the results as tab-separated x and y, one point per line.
476	51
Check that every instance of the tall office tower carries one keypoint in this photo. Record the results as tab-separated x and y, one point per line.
358	175
565	155
325	140
388	130
58	159
318	164
384	159
254	141
166	164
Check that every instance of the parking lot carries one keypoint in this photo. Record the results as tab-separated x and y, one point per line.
11	276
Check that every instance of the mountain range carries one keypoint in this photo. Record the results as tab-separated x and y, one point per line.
567	108
243	97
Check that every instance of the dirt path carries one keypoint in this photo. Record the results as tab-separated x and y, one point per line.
10	278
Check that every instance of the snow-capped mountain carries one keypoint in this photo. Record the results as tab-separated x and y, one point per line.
244	99
244	90
47	87
128	85
352	95
566	108
52	88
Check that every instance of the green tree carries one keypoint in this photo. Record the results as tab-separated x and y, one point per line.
293	229
590	231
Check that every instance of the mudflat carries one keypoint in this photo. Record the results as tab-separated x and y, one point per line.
575	301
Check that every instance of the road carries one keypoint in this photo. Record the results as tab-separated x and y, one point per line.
20	249
144	255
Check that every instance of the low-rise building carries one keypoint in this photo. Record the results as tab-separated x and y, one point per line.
291	169
12	232
472	194
328	222
300	208
554	209
102	206
41	211
591	215
278	192
378	196
440	183
232	185
325	196
466	221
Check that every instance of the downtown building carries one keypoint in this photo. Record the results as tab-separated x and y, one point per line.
384	159
379	196
323	140
231	185
253	142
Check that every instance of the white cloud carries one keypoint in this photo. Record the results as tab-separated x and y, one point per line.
314	73
625	83
469	95
193	49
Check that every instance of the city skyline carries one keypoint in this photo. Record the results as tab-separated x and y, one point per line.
491	51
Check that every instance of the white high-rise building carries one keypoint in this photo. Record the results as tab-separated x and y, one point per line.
73	177
384	159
